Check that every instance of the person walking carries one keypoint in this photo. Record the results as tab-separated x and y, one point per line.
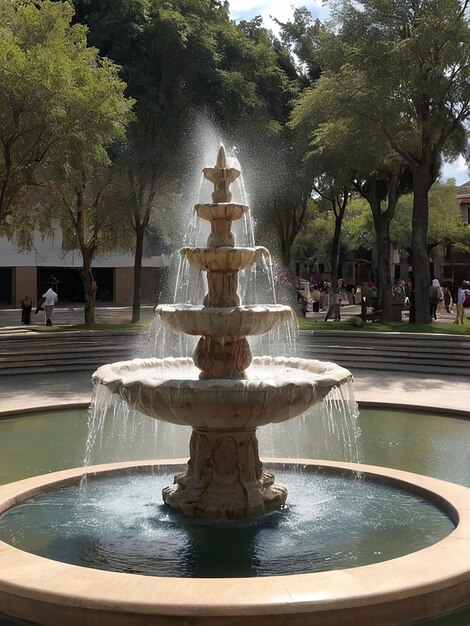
447	299
435	296
50	298
463	301
26	307
316	296
335	301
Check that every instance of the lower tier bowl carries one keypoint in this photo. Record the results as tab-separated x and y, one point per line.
275	389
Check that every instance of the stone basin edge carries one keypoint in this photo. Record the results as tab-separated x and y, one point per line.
442	567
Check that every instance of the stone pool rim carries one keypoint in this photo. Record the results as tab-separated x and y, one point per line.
457	413
422	584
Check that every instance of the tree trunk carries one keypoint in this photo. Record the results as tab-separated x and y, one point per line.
289	227
139	251
286	254
438	259
422	182
382	228
335	251
89	288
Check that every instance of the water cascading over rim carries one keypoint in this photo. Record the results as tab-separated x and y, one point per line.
234	393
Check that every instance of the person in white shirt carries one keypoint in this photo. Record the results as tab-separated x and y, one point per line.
50	298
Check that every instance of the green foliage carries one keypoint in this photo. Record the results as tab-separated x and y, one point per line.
60	104
445	223
404	67
91	211
358	226
356	321
180	58
188	53
302	35
314	241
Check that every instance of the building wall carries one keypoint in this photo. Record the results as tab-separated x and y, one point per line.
27	267
123	286
24	284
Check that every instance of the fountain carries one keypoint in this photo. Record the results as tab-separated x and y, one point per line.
62	562
233	393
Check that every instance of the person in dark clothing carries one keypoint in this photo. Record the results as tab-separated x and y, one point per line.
26	306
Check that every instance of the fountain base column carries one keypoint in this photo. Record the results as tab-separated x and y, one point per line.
224	478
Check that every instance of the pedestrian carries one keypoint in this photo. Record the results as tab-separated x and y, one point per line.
26	307
316	296
463	301
335	301
435	296
50	298
398	290
325	299
447	299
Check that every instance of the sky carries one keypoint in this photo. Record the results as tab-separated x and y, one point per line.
283	10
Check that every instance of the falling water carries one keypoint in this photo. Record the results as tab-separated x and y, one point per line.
331	426
333	422
115	429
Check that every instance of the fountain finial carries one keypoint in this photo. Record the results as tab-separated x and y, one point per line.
222	177
221	158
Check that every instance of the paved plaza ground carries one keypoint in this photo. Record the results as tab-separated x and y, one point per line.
69	315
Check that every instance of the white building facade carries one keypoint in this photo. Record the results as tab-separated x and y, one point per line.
28	272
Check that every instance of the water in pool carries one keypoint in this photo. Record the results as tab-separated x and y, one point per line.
415	441
119	524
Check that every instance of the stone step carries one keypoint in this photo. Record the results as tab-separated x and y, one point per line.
47	352
410	352
462	352
85	351
368	360
388	338
68	351
398	351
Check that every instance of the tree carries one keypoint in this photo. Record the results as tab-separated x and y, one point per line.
90	207
301	36
404	68
349	147
180	57
59	102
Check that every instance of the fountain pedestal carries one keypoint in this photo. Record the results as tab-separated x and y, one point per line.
224	478
222	359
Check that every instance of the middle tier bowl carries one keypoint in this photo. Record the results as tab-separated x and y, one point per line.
237	321
224	258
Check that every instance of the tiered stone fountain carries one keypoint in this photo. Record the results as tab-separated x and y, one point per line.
234	392
225	394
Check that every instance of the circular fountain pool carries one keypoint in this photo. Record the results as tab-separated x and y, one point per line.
393	591
426	443
332	522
